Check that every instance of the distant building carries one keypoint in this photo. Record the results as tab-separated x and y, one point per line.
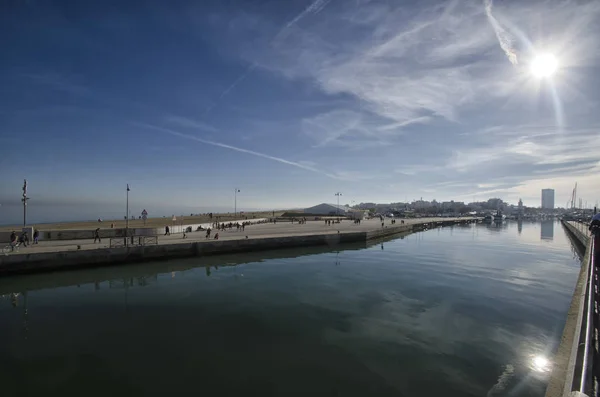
548	199
520	208
327	209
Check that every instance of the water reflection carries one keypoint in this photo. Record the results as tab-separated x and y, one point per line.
540	364
547	230
99	275
480	309
520	226
496	226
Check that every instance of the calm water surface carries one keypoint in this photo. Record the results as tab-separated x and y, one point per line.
461	311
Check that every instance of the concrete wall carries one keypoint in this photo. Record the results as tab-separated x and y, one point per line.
180	228
579	230
72	234
5	236
24	263
388	231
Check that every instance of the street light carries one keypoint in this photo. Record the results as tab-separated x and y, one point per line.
127	216
338	194
24	200
235	205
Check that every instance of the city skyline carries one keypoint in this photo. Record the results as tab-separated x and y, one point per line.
40	215
293	101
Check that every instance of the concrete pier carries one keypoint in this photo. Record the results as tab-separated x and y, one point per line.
565	360
60	255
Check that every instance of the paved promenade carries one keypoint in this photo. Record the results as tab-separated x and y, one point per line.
281	229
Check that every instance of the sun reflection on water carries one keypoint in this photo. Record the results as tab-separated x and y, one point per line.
540	364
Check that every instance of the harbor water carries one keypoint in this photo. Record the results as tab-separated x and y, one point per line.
474	310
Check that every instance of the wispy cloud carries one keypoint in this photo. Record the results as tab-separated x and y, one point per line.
314	8
237	149
59	82
505	39
189	123
530	146
354	130
401	71
329	128
396	126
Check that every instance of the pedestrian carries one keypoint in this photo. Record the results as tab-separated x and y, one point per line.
595	231
13	240
97	236
24	239
216	236
36	236
167	231
208	233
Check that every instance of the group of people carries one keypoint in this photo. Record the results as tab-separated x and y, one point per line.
231	225
330	222
219	226
208	231
23	239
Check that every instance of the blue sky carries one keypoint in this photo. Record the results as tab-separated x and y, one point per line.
291	101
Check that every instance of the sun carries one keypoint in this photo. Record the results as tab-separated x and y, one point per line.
544	65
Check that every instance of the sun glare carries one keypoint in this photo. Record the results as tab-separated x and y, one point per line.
544	66
541	364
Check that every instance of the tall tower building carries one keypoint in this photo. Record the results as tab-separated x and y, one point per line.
548	199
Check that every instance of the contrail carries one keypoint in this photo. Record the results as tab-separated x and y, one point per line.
230	88
504	38
237	149
314	8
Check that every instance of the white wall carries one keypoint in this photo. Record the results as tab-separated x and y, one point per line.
107	233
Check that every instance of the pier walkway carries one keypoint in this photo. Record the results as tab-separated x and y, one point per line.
52	255
576	367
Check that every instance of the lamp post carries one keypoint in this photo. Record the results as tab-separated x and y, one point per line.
24	200
127	215
235	202
338	194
